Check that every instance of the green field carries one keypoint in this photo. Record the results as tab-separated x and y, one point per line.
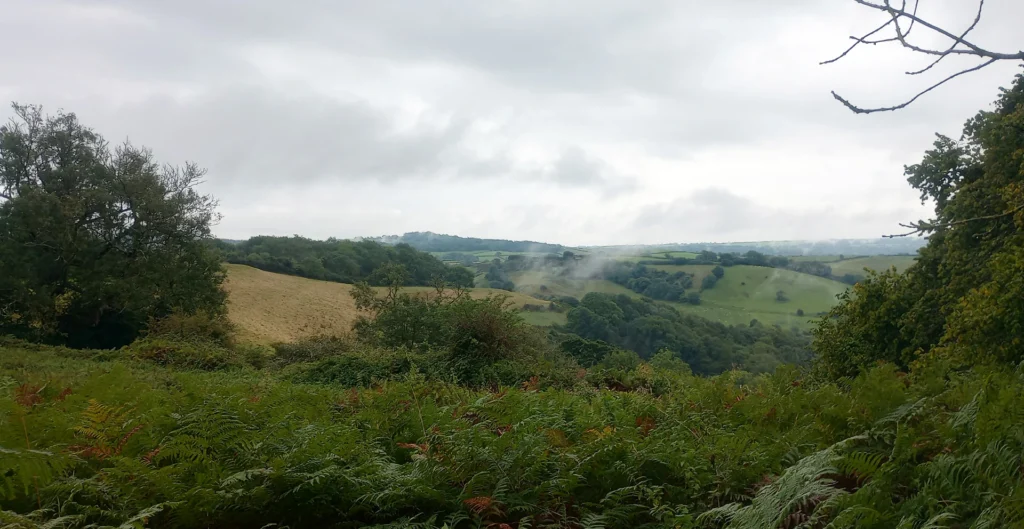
749	292
543	319
698	271
537	282
876	262
743	294
818	258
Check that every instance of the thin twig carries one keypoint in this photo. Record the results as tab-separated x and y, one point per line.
922	227
977	18
973	48
859	110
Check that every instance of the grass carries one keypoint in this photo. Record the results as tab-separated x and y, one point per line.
818	258
698	271
543	319
537	282
269	307
745	293
876	262
749	292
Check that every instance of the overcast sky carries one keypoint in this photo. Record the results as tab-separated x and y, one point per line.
577	122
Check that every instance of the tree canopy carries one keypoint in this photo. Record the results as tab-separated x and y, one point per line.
647	327
94	240
963	295
341	260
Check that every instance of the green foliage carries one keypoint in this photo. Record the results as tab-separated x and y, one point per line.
708	347
183	354
586	352
96	241
312	349
201	325
962	296
437	242
477	336
341	260
130	443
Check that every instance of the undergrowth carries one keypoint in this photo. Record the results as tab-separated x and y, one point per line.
127	443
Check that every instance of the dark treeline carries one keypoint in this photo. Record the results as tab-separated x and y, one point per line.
656	284
755	258
708	347
340	260
436	242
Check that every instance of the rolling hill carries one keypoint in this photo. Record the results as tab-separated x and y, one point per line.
269	307
876	262
750	292
743	294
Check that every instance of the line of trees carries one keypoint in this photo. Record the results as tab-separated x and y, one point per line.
341	260
437	242
755	258
708	347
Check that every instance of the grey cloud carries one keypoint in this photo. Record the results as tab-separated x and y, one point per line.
715	214
623	94
576	168
250	135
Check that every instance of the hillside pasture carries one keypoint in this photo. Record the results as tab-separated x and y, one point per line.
268	307
697	271
539	282
878	263
749	292
814	258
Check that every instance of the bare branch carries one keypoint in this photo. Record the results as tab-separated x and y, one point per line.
857	42
922	227
977	18
973	49
960	46
859	110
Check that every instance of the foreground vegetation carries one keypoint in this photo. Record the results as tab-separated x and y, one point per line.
108	439
444	410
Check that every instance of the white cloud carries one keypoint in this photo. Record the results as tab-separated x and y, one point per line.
584	122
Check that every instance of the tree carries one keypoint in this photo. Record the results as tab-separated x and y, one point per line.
781	297
708	282
960	299
95	241
718	271
901	21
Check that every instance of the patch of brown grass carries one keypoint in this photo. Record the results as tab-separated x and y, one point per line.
268	307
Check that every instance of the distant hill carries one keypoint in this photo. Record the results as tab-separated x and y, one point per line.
437	242
831	247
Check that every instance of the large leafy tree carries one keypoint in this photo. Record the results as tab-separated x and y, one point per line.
963	296
94	240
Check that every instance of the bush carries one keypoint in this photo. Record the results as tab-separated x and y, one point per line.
206	356
362	368
312	349
197	326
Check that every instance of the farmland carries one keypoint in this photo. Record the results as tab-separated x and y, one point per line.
877	263
268	307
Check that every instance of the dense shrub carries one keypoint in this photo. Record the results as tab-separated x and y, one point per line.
113	442
708	347
312	349
201	325
184	354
